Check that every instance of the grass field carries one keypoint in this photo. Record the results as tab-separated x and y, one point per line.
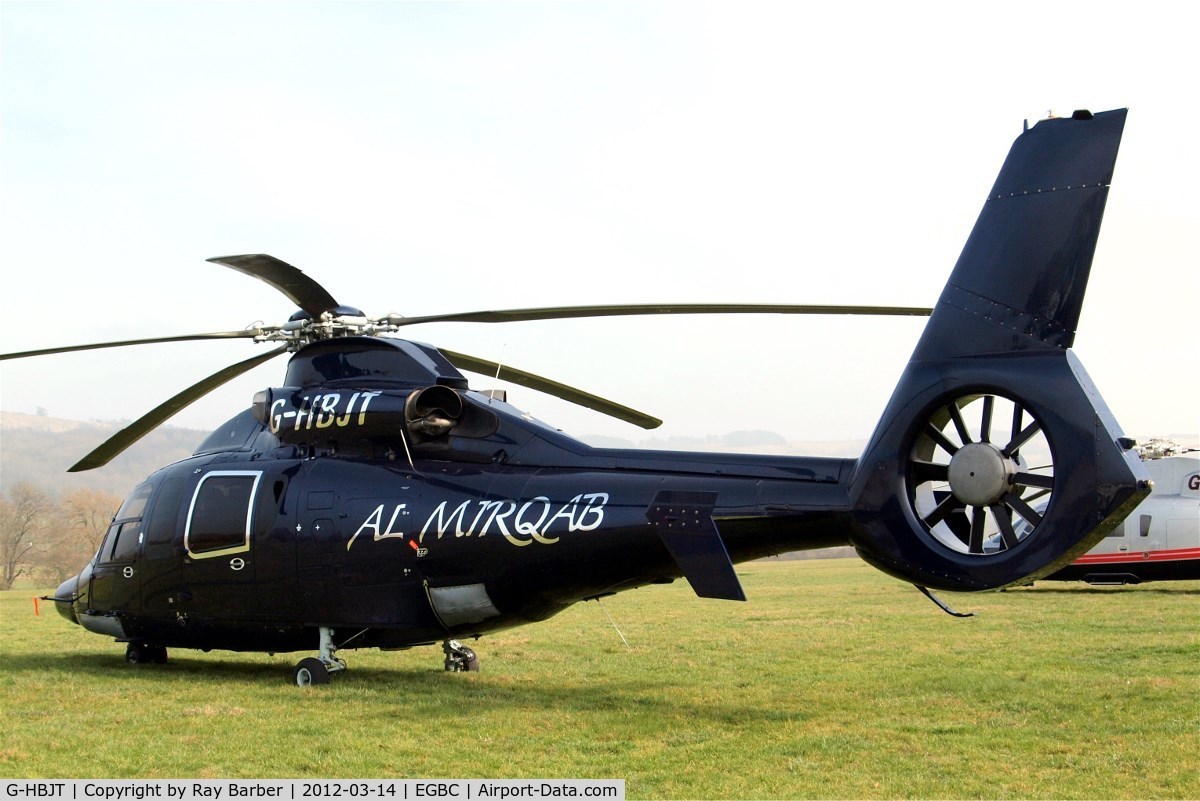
833	681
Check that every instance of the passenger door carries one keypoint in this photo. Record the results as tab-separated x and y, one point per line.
114	581
218	540
162	548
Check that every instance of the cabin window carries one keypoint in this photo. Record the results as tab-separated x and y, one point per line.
221	513
236	435
164	515
121	542
135	504
1144	525
125	548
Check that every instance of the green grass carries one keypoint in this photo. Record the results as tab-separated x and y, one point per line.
834	681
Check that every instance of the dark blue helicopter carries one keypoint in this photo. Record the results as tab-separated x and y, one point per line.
374	500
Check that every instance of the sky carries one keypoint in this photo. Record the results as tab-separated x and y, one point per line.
422	158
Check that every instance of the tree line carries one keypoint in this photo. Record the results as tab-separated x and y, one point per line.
47	540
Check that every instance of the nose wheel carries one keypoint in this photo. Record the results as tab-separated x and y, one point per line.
970	479
140	653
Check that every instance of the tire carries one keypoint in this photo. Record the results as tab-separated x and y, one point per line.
136	654
310	671
470	661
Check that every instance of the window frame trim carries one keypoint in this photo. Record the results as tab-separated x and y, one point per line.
246	532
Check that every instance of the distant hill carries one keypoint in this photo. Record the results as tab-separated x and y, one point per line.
40	449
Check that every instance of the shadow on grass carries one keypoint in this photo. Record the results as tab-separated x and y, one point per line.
433	693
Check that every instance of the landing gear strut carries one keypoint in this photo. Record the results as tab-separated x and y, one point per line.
459	658
318	669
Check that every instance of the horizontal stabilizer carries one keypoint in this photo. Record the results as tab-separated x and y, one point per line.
684	523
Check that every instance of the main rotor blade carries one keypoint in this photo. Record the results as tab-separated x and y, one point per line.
626	310
139	428
567	393
243	334
298	287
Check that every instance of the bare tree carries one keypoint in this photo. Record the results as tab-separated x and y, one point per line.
76	529
87	514
23	518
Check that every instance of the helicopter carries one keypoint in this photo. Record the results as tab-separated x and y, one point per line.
375	500
1159	541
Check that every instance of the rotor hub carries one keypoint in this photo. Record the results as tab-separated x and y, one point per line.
980	475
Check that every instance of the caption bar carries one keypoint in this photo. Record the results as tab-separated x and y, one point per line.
314	790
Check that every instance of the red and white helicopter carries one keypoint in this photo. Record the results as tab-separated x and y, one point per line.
1160	540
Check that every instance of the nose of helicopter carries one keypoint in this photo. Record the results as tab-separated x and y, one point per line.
64	599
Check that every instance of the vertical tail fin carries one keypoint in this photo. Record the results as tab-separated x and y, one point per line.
996	460
1020	280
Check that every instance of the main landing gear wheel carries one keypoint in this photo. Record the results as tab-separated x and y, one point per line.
969	479
139	653
318	669
310	671
459	658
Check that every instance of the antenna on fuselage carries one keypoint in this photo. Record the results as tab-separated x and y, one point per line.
613	622
496	378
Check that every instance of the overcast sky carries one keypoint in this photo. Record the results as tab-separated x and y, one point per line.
433	157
